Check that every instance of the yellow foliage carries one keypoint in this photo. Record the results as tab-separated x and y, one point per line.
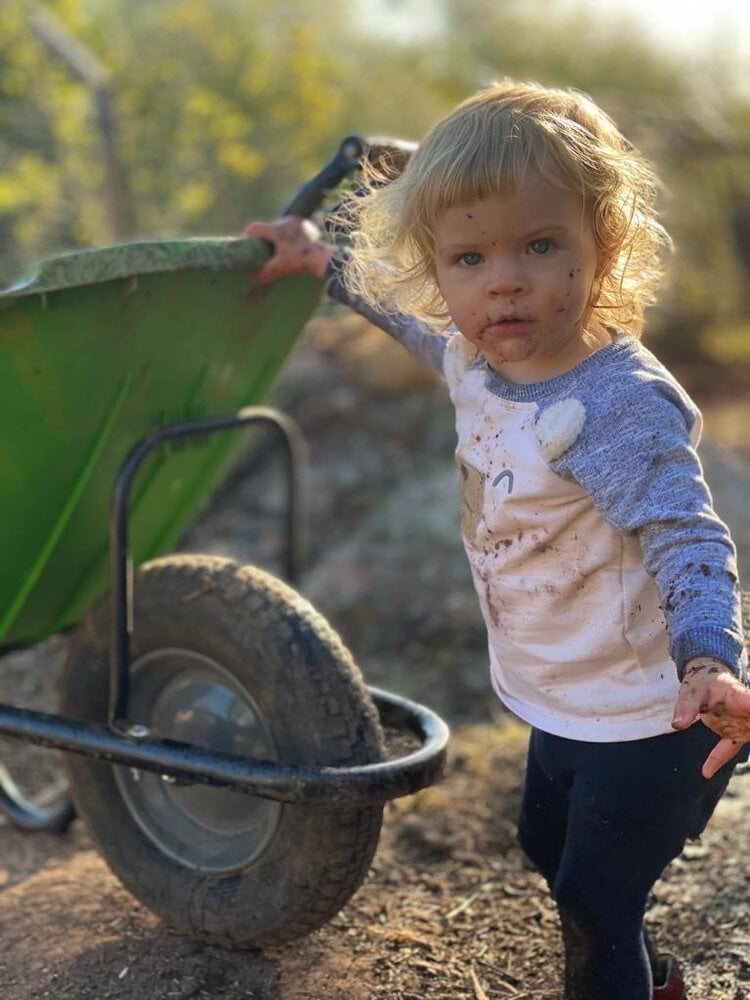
71	12
34	182
218	117
10	194
226	103
727	343
241	160
197	17
257	75
87	226
203	102
72	120
282	112
193	198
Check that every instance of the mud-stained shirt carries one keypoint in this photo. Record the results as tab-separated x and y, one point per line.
595	552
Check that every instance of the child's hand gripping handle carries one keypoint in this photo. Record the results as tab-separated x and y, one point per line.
293	240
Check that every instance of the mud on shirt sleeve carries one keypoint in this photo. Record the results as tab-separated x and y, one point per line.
633	456
418	338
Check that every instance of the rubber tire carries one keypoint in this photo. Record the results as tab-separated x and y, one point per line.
318	709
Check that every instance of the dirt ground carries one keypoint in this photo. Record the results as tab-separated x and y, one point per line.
450	908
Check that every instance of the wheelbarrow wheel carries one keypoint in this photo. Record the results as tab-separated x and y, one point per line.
228	657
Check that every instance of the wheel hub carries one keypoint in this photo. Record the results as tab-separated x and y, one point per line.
186	696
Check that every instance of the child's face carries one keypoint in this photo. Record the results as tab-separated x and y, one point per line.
516	274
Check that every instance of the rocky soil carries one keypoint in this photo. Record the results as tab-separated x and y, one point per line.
450	908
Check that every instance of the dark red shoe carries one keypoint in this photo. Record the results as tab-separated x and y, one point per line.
671	985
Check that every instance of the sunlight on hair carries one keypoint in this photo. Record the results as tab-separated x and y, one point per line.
488	146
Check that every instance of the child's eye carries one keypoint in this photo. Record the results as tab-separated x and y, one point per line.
541	246
471	258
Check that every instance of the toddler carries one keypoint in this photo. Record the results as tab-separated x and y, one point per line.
516	254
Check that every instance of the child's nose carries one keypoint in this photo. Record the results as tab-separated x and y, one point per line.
507	278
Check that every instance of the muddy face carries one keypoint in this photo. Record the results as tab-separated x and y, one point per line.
517	274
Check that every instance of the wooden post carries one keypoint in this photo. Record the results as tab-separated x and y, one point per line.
87	67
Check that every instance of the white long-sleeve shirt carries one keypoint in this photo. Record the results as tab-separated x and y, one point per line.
596	555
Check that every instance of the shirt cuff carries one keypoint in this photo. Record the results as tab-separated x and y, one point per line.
713	641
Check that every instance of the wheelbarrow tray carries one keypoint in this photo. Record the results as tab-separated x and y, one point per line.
100	347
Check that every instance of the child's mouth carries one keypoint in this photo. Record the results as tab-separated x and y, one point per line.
509	324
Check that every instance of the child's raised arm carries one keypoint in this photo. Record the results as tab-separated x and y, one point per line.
298	248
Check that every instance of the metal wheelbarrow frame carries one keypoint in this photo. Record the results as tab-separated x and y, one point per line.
123	741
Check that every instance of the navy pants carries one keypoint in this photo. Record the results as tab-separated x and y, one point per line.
601	821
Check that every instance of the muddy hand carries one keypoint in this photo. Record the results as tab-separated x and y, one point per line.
297	246
710	690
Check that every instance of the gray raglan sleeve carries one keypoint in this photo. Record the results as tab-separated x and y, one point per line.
419	339
635	460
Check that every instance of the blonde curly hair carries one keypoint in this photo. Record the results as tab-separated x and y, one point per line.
486	147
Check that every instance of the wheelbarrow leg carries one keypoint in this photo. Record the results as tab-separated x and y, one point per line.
54	817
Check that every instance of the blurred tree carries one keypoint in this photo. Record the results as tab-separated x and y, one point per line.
84	66
224	107
555	43
47	186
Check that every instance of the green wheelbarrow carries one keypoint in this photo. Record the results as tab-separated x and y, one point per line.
221	745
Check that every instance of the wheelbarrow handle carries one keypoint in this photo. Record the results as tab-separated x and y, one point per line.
309	197
387	156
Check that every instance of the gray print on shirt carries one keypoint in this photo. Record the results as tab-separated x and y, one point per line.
505	474
472	496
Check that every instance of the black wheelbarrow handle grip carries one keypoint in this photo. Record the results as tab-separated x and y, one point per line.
387	156
309	197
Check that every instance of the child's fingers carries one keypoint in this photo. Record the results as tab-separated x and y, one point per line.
267	273
275	267
729	713
726	723
290	229
737	700
297	248
281	235
724	696
688	706
721	753
724	707
266	230
729	718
